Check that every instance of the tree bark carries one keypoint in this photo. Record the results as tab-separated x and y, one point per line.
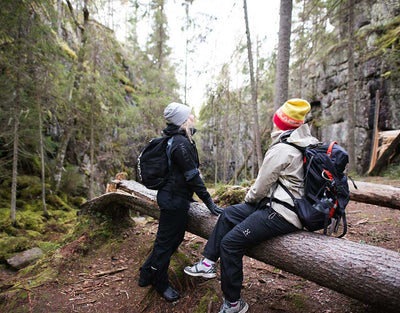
375	133
68	131
351	90
15	160
367	273
382	195
41	153
246	159
282	64
256	128
91	174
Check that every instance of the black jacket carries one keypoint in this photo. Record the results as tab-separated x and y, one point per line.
184	178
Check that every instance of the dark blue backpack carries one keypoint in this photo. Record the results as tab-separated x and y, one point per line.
154	162
326	190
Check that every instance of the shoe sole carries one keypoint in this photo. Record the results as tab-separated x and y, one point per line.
204	275
244	310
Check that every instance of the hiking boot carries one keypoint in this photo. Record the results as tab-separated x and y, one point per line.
170	294
240	307
201	269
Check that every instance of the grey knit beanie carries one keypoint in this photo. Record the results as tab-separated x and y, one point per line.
177	113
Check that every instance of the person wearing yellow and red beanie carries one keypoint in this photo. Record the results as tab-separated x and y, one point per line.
291	114
241	226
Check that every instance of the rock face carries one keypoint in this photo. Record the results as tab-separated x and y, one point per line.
25	258
376	66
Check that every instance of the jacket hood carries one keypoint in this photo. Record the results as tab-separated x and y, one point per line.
300	136
173	129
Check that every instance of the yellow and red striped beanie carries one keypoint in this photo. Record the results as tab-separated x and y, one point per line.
291	114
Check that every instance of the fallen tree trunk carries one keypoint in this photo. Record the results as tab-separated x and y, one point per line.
367	273
382	195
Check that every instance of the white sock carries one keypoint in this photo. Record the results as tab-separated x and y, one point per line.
234	303
208	262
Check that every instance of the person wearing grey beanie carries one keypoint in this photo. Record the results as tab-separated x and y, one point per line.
177	113
174	199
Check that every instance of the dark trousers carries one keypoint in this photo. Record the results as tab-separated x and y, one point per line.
170	234
238	228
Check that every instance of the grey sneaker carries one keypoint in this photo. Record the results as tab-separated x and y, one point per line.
200	269
240	307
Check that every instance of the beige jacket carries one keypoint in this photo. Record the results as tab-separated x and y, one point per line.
284	163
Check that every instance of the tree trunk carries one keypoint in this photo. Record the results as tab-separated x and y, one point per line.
351	90
375	134
256	128
382	195
91	177
187	23
302	50
41	152
61	155
247	157
367	273
15	160
282	64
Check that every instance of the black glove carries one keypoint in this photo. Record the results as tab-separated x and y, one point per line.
214	209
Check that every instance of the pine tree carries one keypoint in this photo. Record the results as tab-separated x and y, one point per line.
257	141
282	65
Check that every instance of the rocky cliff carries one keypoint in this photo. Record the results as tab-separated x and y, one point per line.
377	64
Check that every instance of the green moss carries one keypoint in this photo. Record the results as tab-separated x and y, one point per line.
32	228
9	245
5	220
228	195
129	89
125	80
77	201
178	262
298	301
58	202
49	246
25	181
30	221
32	234
203	303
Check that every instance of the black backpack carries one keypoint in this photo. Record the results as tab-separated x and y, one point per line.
154	162
326	190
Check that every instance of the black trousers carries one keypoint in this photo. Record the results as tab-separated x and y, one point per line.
170	234
238	228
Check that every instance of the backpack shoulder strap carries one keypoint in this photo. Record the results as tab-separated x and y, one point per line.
300	148
287	191
287	205
329	151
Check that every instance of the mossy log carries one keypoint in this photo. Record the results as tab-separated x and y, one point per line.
367	273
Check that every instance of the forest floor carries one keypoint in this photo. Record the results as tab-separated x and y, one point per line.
104	279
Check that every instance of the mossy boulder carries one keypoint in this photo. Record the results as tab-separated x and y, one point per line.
229	195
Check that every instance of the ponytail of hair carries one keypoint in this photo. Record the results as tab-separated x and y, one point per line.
186	127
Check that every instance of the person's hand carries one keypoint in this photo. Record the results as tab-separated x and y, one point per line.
214	209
